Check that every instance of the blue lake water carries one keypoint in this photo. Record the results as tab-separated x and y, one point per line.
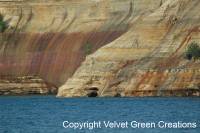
45	114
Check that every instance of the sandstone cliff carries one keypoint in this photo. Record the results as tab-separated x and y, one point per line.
27	85
147	59
49	37
140	45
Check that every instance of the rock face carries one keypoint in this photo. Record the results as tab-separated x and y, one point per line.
27	85
140	45
146	60
49	38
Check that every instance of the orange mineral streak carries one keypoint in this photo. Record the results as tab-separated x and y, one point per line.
175	57
153	79
187	39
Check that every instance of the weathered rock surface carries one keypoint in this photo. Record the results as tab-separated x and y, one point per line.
141	43
27	85
146	60
48	37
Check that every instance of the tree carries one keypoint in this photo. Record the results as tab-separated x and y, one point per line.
193	51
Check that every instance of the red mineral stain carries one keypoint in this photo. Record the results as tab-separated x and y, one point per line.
52	56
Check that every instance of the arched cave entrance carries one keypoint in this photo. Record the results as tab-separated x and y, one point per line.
92	92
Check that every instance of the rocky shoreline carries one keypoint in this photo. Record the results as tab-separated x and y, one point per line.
26	85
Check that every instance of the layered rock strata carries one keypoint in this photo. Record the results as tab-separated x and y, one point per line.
147	60
49	38
27	85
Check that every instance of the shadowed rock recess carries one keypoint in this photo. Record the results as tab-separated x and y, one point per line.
133	47
146	60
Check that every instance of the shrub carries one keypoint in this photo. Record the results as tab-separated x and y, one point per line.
3	24
88	48
1	17
193	51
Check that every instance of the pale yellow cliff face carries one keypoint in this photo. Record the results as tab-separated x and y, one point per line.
48	37
71	15
147	60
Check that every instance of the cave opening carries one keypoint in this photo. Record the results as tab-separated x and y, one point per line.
92	92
